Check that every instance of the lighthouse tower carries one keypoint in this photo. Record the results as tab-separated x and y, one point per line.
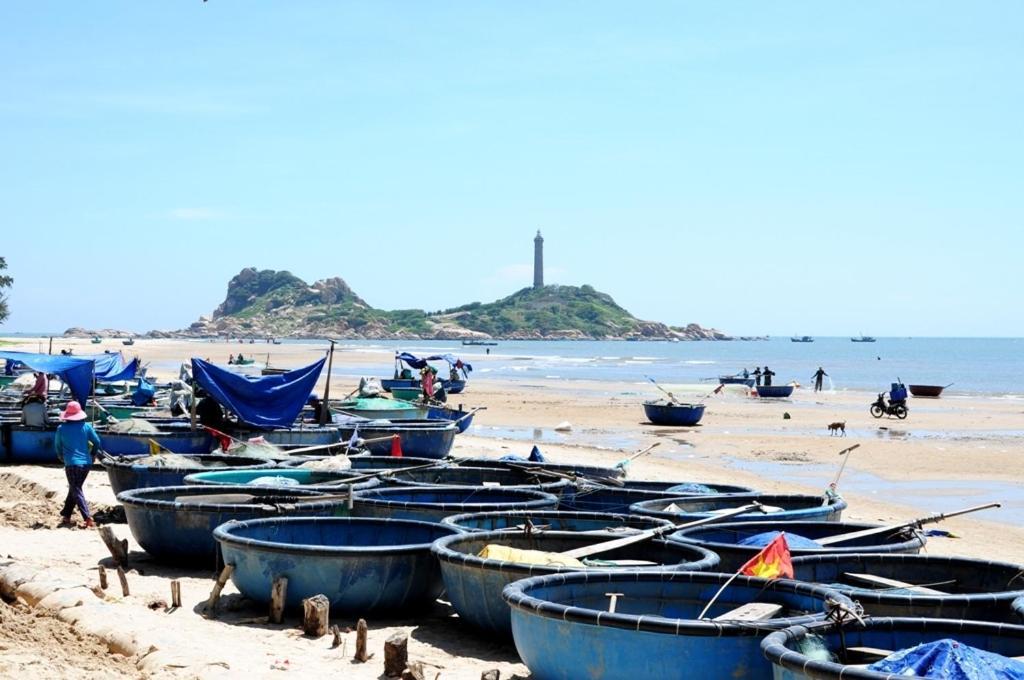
538	261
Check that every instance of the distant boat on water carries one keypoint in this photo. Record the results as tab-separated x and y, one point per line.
479	343
801	338
863	338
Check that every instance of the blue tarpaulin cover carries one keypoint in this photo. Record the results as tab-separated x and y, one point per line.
793	540
75	372
111	367
951	660
418	363
267	402
691	488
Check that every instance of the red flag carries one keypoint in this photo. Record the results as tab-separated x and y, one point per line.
772	562
222	439
396	446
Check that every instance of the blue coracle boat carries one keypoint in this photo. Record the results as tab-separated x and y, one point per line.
482	476
462	419
145	472
662	412
563	628
286	478
727	539
942	587
171	527
599	498
474	584
360	565
784	507
419	438
555	520
853	646
434	503
774	391
585	471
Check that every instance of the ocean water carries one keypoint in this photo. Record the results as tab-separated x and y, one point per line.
989	366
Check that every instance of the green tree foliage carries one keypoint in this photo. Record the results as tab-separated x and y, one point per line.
5	282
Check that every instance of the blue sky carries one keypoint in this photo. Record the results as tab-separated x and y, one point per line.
777	168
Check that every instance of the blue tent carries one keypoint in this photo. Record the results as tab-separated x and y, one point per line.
267	402
75	372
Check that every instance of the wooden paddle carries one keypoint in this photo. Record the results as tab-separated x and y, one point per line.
370	475
597	548
913	524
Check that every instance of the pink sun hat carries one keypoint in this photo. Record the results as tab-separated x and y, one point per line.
73	412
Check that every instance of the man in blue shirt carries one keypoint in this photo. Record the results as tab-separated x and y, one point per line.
74	442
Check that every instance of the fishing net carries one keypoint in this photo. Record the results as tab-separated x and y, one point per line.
133	425
370	387
172	460
793	540
328	463
257	447
950	659
274	480
691	488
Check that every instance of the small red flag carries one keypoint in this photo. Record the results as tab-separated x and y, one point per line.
396	446
222	439
772	562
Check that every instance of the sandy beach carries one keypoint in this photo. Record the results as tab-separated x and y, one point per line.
950	453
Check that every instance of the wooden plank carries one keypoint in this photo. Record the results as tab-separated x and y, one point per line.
278	593
751	611
891	583
870	652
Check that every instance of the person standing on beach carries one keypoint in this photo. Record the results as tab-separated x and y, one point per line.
819	376
74	443
767	373
757	375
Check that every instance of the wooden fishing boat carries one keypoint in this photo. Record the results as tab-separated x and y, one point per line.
333	481
462	418
419	438
479	343
242	362
842	653
581	471
474	584
555	520
176	438
781	507
737	542
360	565
801	338
735	380
146	471
376	408
774	391
563	628
661	412
450	386
407	393
172	528
479	477
434	503
863	338
297	437
96	340
129	342
931	586
926	390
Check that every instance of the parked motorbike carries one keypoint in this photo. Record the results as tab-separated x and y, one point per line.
896	408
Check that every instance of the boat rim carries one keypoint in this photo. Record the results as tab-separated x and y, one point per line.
129	498
453	520
532	498
767	525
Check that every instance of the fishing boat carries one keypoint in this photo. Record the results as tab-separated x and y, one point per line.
286	478
176	523
378	408
776	507
774	391
418	438
595	472
434	503
615	499
406	393
450	386
404	377
672	413
863	338
737	542
149	471
801	338
931	586
480	477
927	390
461	417
842	652
241	362
96	340
555	520
129	342
476	567
626	626
479	343
736	380
360	565
174	438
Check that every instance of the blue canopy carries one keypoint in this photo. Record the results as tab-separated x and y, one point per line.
950	660
418	363
111	367
267	402
75	372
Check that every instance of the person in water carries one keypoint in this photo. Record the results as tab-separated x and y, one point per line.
74	444
819	376
767	374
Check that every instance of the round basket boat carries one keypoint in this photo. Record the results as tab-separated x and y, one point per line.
678	415
365	462
937	586
555	520
678	488
324	481
176	523
563	628
855	645
434	503
144	473
614	499
477	477
588	471
926	390
474	584
794	508
360	565
774	391
725	539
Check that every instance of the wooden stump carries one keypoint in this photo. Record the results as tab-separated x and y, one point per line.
175	594
361	654
316	612
337	641
415	671
493	674
124	581
118	548
222	580
103	577
396	655
278	593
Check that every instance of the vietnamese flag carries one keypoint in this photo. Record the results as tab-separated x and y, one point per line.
772	562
